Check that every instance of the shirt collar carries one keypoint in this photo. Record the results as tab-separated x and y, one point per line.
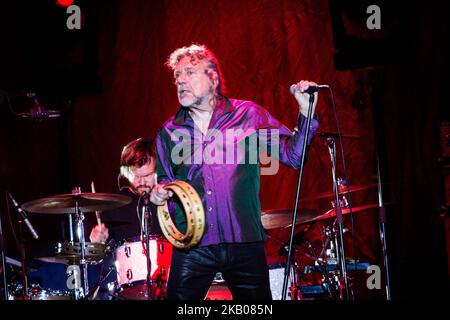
223	106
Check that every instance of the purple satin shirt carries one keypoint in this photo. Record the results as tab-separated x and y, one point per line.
224	166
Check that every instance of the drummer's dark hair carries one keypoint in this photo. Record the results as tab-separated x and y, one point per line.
137	153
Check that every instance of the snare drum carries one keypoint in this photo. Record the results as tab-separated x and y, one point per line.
131	266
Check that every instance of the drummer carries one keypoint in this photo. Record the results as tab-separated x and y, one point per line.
138	166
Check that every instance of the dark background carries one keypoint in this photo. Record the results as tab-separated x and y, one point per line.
109	82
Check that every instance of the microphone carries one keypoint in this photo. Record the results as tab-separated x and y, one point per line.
37	112
311	89
24	216
146	196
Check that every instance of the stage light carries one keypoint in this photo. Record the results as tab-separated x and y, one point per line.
64	3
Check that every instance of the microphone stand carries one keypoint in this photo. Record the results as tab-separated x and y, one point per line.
147	228
3	266
339	219
382	231
297	196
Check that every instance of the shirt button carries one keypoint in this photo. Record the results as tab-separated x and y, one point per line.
208	192
211	225
210	209
205	144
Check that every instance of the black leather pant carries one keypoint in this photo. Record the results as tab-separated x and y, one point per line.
243	267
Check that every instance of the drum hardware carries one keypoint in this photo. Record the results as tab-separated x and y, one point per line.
382	230
218	278
147	231
111	246
80	253
336	135
281	218
327	264
304	286
36	292
343	189
338	185
343	202
94	291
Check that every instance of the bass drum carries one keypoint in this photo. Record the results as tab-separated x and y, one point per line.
276	278
131	266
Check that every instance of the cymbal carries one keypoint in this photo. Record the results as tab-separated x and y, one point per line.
279	218
342	190
332	212
87	202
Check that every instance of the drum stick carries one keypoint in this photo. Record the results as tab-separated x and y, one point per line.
97	213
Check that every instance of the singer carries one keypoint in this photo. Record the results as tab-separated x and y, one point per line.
233	241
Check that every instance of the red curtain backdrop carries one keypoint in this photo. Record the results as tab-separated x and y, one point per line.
263	46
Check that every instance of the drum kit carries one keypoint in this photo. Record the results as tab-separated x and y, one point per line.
314	272
129	257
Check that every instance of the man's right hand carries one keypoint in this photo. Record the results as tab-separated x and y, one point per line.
160	195
99	234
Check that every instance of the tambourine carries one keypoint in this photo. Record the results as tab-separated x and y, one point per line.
195	216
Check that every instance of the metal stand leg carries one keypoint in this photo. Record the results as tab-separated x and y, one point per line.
339	219
382	231
147	231
81	238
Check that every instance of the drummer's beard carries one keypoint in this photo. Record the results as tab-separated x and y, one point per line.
139	190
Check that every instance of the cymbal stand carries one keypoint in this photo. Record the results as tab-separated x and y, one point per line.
382	231
339	219
70	227
79	217
296	293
